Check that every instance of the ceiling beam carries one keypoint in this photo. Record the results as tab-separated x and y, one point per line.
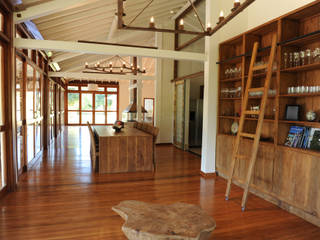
44	9
182	10
65	56
98	76
68	46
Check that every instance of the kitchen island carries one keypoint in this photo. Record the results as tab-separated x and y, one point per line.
130	150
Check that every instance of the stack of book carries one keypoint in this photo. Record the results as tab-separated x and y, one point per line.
303	137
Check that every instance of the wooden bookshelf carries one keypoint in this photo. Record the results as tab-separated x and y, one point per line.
289	173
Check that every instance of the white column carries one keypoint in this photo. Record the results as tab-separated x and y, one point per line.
210	97
158	73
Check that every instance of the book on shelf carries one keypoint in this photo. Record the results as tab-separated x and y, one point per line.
303	137
315	143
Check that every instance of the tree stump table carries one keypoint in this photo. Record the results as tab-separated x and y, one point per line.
144	221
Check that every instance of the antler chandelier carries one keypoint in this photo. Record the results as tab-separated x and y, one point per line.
114	65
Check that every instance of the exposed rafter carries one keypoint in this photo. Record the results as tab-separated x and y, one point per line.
98	76
152	27
68	46
182	10
44	9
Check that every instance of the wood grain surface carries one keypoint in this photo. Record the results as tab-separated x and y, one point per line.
130	150
60	198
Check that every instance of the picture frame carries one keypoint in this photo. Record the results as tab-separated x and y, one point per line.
293	112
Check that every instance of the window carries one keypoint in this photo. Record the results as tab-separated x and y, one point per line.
73	88
19	107
149	105
96	107
3	167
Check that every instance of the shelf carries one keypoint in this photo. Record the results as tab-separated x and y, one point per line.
260	75
235	59
249	119
300	95
304	123
301	150
235	79
230	99
229	117
259	97
302	40
303	68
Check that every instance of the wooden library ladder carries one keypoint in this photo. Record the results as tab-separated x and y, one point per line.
245	112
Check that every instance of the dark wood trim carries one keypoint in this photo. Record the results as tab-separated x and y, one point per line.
21	54
193	75
120	14
187	10
3	191
208	175
164	144
45	113
93	111
188	43
182	15
164	30
9	106
55	134
233	14
116	44
4	37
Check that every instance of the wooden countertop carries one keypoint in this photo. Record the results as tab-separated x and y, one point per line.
108	131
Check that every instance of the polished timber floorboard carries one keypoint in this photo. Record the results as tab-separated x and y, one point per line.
59	198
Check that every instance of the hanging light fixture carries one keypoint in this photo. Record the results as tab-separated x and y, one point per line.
113	65
92	87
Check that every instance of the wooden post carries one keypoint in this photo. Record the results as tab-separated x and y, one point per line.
139	93
9	107
120	14
45	102
55	127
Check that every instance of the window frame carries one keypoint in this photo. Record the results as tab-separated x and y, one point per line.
93	111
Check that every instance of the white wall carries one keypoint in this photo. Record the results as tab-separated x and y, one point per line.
148	91
164	90
256	14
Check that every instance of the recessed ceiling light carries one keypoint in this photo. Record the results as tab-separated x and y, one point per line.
172	12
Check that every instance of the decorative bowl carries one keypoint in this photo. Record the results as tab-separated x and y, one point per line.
311	116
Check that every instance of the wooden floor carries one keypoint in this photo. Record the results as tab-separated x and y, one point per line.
61	199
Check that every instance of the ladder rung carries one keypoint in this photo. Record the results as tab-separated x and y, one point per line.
256	89
260	67
248	135
252	112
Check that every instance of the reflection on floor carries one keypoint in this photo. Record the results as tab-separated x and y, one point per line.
61	199
196	150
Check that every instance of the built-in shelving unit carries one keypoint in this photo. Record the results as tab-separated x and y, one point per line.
278	166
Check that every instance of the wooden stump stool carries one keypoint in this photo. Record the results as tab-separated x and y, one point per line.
146	221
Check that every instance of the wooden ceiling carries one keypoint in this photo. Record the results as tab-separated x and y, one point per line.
93	20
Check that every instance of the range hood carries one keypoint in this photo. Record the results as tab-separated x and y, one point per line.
132	108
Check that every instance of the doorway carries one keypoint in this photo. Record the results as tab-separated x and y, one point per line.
195	115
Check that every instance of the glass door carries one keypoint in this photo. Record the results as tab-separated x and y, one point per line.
3	166
179	114
30	113
19	114
37	113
